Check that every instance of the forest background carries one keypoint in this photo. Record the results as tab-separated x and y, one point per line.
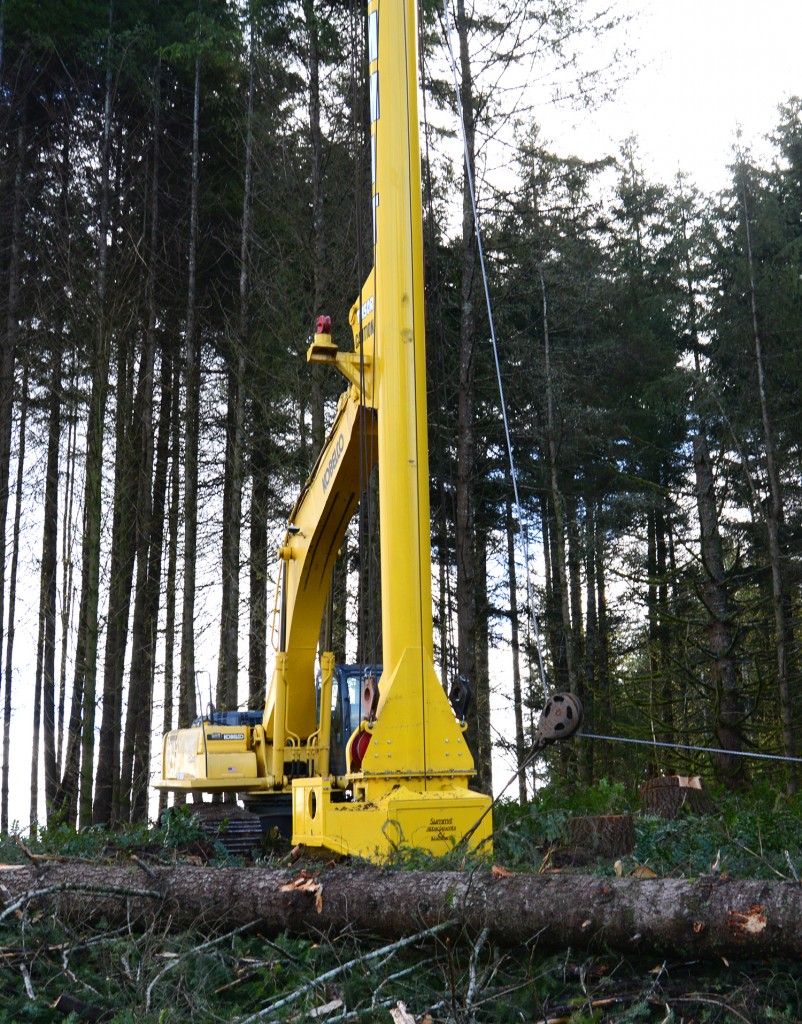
184	187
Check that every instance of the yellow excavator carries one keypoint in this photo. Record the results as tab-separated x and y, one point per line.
402	778
388	765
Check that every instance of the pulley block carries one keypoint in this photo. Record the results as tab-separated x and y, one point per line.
559	719
370	697
461	697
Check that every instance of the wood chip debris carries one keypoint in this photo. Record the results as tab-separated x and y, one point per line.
305	882
639	871
751	923
322	1011
401	1014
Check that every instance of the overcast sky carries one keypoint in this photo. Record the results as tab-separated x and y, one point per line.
706	66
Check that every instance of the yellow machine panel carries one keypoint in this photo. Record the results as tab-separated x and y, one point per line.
212	758
433	820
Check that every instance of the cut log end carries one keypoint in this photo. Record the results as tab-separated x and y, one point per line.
669	795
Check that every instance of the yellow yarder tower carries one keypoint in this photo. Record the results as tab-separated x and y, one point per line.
403	779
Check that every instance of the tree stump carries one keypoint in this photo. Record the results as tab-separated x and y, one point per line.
605	835
667	795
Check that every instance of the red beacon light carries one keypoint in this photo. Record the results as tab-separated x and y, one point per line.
322	349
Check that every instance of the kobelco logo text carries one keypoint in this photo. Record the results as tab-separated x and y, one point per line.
367	308
333	460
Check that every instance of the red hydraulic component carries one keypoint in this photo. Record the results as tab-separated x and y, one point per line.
359	749
323	325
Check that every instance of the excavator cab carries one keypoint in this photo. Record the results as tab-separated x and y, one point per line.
347	709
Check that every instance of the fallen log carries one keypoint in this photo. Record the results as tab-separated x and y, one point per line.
712	916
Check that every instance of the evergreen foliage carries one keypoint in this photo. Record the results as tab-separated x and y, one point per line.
650	348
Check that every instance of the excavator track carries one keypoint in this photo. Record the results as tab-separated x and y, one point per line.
239	831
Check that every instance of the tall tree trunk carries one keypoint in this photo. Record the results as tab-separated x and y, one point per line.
720	634
123	549
7	354
590	672
660	682
257	628
443	609
515	645
369	611
557	504
605	702
339	596
663	527
186	710
117	790
441	464
574	559
49	575
662	758
172	554
553	618
12	583
317	398
228	660
135	775
83	691
775	519
44	679
140	782
465	539
81	729
140	689
484	736
228	663
68	589
715	589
